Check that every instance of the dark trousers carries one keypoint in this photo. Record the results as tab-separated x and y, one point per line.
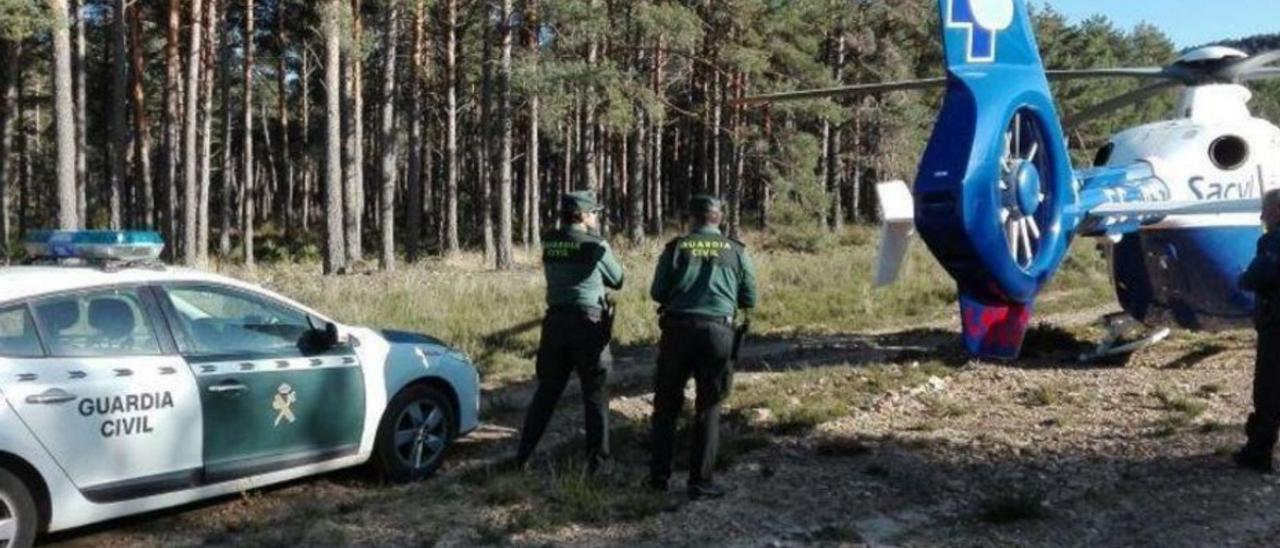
1264	423
700	347
572	340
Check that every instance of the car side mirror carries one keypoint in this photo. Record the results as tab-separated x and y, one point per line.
320	340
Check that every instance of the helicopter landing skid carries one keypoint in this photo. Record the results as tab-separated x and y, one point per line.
1124	336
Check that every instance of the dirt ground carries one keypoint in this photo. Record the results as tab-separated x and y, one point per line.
882	439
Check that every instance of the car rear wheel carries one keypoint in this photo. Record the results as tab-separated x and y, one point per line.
416	430
18	515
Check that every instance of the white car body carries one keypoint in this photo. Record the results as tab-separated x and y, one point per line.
135	434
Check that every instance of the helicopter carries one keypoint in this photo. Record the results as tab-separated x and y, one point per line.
1174	204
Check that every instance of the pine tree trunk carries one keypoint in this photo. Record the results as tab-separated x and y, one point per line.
739	158
387	137
78	75
190	143
835	169
532	174
335	255
64	118
488	134
350	155
413	201
10	55
285	156
451	243
717	134
656	186
637	190
206	130
169	154
506	258
141	125
246	106
24	149
855	185
354	199
228	164
587	136
117	129
308	174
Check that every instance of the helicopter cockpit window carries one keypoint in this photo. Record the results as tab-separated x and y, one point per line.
1104	155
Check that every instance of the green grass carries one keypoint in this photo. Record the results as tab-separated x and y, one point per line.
494	316
1182	410
1046	395
1179	403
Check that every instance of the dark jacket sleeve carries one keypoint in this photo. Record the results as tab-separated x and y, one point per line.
1263	272
660	290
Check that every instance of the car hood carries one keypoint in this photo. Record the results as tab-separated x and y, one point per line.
407	337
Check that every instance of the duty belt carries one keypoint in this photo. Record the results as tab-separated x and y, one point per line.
574	310
688	317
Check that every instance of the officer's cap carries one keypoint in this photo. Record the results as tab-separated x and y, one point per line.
583	201
703	203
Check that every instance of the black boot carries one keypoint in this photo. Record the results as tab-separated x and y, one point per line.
657	485
706	490
1256	461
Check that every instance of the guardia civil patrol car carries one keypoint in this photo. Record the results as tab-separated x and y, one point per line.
129	386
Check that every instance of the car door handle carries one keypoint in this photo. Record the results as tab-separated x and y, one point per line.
229	387
51	396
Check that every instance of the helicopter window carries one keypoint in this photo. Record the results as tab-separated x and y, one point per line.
1229	152
1104	155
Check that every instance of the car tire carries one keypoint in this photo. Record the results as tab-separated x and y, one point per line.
415	432
19	518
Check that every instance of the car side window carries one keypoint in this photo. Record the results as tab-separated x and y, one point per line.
18	338
97	324
219	321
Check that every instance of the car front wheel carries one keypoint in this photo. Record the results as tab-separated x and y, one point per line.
416	429
18	515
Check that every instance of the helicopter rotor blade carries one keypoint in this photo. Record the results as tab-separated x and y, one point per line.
1261	74
861	89
1117	103
1121	72
1258	61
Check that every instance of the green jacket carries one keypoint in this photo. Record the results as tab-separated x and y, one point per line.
579	266
705	273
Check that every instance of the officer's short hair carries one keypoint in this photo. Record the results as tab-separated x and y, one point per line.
1271	199
707	217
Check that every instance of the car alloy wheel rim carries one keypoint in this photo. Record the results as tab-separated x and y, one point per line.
8	522
420	434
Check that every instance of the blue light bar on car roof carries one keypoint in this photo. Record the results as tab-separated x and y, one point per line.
108	245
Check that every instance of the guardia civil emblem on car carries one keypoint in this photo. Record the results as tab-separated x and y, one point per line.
283	404
132	386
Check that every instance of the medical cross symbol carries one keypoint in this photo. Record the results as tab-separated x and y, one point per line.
983	19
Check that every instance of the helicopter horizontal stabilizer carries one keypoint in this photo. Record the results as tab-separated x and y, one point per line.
1172	208
897	210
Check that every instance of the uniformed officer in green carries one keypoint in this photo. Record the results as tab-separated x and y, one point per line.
703	278
1263	278
579	265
